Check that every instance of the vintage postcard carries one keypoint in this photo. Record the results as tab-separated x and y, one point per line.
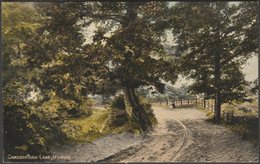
130	81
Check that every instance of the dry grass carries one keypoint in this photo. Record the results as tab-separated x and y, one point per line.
93	127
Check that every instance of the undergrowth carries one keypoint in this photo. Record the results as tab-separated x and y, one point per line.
93	127
244	123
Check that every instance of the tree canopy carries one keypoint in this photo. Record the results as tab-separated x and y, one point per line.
127	47
213	40
66	51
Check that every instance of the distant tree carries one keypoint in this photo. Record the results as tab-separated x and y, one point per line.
255	87
178	93
213	40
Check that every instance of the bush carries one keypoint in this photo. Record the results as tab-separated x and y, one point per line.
118	103
247	127
118	116
228	108
87	107
148	109
25	131
32	128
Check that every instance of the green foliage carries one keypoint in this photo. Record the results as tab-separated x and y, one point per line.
197	35
32	123
213	40
128	53
87	107
246	127
118	102
22	134
88	129
149	111
118	117
228	107
255	87
245	122
58	108
75	68
23	128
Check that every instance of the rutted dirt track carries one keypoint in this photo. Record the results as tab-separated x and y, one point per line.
182	135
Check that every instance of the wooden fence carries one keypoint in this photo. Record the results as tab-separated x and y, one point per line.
208	104
199	102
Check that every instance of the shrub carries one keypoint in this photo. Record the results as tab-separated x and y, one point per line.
118	116
148	109
32	128
118	103
25	131
87	107
228	108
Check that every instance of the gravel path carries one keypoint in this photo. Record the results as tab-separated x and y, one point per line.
182	135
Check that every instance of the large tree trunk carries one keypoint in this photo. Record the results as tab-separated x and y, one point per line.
135	110
217	74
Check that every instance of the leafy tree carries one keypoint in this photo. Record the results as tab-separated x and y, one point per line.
214	39
135	49
21	129
30	125
57	52
127	48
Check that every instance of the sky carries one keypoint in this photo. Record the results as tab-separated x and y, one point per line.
250	70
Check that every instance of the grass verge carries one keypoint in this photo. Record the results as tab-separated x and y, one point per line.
92	127
243	124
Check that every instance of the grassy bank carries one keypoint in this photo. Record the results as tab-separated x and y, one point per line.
91	128
244	122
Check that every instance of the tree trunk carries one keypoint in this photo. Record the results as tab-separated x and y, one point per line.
217	76
135	110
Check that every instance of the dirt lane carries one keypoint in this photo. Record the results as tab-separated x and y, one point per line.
213	143
182	135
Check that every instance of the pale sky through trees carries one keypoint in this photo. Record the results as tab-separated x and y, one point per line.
250	68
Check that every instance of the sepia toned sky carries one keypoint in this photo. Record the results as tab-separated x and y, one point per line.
250	68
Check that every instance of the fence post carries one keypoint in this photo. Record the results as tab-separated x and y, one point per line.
188	101
181	102
204	103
